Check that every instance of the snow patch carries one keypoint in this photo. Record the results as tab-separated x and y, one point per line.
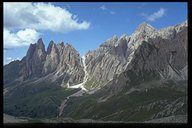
81	85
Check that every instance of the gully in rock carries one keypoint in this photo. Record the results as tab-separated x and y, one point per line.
81	85
79	93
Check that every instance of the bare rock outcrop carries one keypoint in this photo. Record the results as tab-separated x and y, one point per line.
60	63
146	54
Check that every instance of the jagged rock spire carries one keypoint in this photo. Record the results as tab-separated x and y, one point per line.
50	47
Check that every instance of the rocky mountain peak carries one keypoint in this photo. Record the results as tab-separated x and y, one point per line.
40	44
50	47
113	38
110	42
185	23
142	32
35	58
170	32
123	36
37	49
61	44
40	41
180	27
61	62
123	39
69	46
144	27
40	49
31	50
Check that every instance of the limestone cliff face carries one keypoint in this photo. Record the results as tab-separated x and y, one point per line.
60	63
148	53
34	60
52	58
69	67
108	60
159	57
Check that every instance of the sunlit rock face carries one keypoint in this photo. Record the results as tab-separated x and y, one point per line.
147	53
60	63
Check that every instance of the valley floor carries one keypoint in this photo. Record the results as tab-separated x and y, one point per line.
163	104
170	119
12	119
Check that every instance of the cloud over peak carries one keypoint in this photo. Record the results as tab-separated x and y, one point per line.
160	13
154	16
19	39
22	22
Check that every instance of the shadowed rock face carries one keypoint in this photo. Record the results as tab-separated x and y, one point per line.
34	60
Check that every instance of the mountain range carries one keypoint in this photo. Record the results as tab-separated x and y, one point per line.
137	78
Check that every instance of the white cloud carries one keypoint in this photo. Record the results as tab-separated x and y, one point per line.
41	16
17	58
8	58
158	14
20	38
104	8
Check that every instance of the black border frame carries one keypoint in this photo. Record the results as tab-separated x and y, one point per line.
118	125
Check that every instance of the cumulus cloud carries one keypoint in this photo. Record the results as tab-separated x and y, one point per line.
104	8
23	20
158	14
20	38
41	16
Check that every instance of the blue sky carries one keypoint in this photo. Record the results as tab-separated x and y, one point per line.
84	25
